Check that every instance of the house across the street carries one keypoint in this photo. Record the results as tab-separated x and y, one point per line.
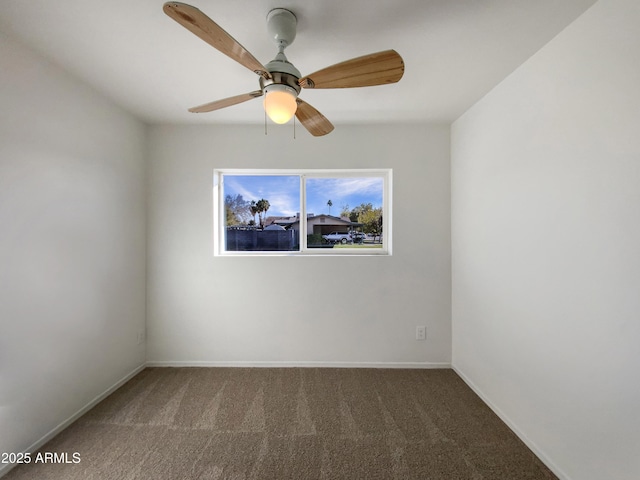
316	224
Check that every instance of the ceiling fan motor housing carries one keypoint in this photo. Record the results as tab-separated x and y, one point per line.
286	80
281	25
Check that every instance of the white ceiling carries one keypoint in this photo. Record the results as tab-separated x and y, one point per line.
454	51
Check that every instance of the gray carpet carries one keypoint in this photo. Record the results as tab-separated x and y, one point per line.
290	423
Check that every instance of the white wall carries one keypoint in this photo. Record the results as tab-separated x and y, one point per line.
293	310
545	244
72	246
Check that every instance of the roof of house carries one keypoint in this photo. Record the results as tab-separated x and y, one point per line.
333	220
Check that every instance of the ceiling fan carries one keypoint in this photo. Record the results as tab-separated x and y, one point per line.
280	81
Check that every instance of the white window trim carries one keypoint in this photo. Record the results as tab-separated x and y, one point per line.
218	211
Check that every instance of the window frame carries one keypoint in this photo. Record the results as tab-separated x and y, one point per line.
219	226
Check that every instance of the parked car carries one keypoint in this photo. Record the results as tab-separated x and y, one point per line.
337	237
358	237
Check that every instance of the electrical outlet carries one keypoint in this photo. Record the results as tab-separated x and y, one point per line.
140	337
421	332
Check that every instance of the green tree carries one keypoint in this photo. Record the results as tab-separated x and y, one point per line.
371	221
330	203
360	210
369	217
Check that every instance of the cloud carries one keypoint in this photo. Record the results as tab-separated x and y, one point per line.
282	191
344	187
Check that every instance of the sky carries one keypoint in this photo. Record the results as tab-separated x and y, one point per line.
283	192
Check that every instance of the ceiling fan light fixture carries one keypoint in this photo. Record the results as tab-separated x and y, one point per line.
280	102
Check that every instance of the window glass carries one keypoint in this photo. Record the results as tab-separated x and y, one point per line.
344	212
260	213
336	212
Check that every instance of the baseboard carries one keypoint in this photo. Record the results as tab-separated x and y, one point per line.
55	431
301	364
528	442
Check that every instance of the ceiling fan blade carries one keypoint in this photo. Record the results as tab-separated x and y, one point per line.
198	23
373	69
311	119
225	102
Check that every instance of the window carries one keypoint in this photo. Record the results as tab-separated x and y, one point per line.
302	212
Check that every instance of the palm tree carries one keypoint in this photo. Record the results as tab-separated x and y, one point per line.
253	208
330	203
262	206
